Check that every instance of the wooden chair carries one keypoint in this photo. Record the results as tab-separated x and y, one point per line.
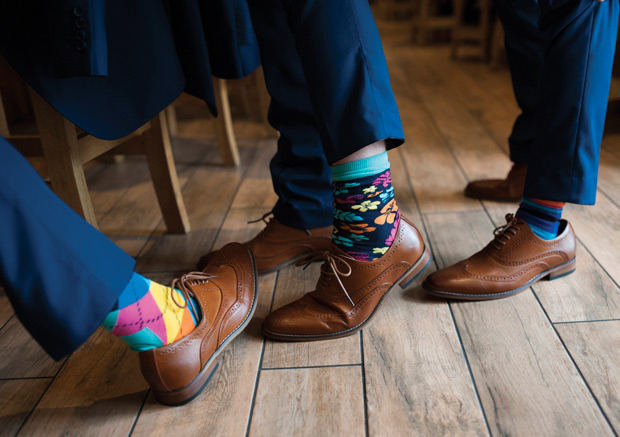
479	34
66	148
224	131
428	19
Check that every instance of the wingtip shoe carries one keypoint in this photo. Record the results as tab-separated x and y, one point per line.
349	292
500	190
226	296
514	260
278	245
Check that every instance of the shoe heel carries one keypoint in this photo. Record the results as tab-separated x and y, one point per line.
563	270
421	264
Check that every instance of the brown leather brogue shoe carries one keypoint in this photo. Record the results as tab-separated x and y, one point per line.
226	295
514	260
278	246
501	190
349	292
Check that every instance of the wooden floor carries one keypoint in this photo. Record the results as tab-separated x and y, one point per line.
545	362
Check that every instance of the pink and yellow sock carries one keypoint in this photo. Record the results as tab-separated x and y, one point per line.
146	316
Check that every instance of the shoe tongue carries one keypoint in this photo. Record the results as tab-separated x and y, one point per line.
194	285
195	310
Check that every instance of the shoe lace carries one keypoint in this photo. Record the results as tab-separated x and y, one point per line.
181	284
504	232
332	261
263	218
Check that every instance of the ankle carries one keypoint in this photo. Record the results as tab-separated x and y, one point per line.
542	216
366	216
365	152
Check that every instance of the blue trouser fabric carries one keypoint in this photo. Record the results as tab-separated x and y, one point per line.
524	51
61	275
330	96
560	54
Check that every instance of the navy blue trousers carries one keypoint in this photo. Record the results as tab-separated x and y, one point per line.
560	54
61	275
330	96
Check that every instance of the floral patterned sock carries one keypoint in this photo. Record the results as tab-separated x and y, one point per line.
366	216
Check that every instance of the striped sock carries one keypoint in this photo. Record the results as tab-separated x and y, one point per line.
146	317
543	216
366	216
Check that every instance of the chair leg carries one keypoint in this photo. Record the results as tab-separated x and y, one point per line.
164	175
425	10
487	21
224	132
4	124
497	43
171	119
60	149
459	12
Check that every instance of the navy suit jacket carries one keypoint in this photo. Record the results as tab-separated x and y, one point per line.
109	66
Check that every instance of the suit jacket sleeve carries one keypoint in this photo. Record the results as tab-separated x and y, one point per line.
77	37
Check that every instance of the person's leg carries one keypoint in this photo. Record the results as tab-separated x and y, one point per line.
299	170
61	275
331	101
64	279
338	60
346	75
580	37
580	42
51	261
565	156
356	116
302	217
524	49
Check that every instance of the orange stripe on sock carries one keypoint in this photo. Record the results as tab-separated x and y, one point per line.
187	325
549	203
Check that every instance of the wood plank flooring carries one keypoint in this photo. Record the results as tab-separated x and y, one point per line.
543	363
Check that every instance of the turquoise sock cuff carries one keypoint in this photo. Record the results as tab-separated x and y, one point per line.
362	168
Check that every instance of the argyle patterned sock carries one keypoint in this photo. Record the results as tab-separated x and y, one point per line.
146	317
366	215
543	216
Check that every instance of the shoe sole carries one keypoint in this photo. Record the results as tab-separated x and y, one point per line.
183	395
555	273
404	281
